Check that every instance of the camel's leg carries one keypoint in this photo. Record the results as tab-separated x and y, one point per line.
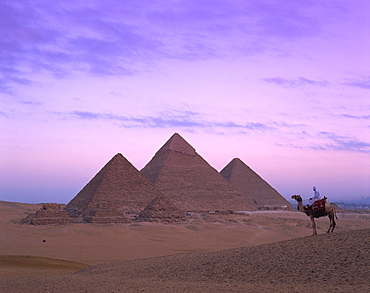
332	223
313	226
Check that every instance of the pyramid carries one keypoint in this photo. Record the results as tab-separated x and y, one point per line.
118	184
49	214
189	181
253	187
161	209
105	213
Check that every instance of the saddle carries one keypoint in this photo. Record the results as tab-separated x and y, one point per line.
318	208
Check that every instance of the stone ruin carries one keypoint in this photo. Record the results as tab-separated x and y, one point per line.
49	214
161	209
105	213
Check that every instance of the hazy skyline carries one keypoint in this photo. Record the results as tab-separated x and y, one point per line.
282	85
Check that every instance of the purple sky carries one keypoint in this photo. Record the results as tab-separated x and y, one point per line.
283	85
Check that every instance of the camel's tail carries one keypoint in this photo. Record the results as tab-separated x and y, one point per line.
335	213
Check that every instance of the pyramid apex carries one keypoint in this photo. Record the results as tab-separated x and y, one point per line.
178	144
117	157
234	161
228	170
238	161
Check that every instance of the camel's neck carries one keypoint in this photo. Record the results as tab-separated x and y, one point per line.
300	206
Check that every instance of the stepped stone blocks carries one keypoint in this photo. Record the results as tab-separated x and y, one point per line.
105	213
49	214
118	184
189	181
161	209
253	187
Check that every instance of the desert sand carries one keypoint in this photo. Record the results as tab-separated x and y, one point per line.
271	251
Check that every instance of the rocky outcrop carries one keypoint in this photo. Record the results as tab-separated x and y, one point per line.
49	214
161	209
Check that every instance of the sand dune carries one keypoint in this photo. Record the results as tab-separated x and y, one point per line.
337	262
32	262
253	252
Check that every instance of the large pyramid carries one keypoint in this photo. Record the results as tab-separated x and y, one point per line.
189	181
253	187
119	185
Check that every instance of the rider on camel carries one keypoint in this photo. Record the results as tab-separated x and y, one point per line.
316	196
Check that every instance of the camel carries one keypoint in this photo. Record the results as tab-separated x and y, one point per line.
328	211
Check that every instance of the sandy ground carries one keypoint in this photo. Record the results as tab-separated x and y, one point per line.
145	257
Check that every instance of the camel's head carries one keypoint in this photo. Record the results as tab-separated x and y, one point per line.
297	197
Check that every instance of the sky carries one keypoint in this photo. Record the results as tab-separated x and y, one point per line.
282	85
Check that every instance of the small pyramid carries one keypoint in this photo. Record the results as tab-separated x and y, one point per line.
49	214
118	184
189	181
161	209
253	187
105	213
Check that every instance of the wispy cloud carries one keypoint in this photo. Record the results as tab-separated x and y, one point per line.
193	121
3	114
289	125
328	141
361	83
365	117
118	37
31	103
299	81
344	143
9	79
177	119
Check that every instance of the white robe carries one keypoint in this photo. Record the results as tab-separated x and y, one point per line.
316	196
